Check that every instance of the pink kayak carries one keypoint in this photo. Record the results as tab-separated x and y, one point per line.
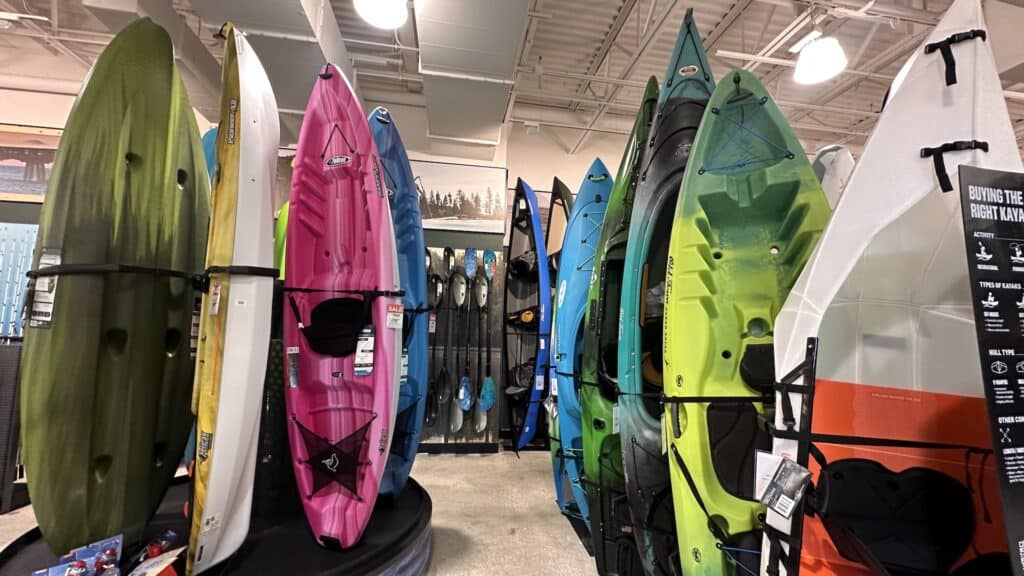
343	315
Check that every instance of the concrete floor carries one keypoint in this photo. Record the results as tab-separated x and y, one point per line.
494	515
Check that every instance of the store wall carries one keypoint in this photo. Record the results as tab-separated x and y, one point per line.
537	158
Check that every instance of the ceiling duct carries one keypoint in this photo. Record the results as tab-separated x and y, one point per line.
468	57
294	39
199	69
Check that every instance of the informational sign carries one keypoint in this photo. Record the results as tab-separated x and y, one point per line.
993	210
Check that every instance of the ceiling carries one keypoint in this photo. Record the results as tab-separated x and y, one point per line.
582	62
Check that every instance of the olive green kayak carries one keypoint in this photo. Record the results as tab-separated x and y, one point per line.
749	214
611	527
107	366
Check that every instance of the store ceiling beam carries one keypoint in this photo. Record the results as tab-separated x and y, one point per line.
524	54
735	11
626	71
580	127
61	36
621	17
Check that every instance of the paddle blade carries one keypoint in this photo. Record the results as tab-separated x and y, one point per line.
487	394
465	394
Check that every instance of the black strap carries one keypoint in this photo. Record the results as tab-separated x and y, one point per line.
940	164
715	529
198	280
369	294
945	46
718	399
243	271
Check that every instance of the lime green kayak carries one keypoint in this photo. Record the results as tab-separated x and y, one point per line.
611	527
107	369
749	214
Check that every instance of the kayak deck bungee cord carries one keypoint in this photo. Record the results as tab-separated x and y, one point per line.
749	214
685	91
575	269
615	550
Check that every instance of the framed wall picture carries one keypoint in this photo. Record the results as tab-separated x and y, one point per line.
461	197
26	159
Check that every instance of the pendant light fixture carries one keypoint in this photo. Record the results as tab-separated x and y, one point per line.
386	14
821	57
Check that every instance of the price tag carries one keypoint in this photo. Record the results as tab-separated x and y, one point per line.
786	483
45	291
364	352
394	320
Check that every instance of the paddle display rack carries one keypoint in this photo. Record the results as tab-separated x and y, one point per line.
13	494
459	349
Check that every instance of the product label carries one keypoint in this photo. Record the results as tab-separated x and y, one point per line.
394	317
215	299
404	374
44	291
992	203
786	485
364	352
538	382
615	419
193	333
432	324
293	366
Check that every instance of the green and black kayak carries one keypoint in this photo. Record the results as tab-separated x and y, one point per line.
611	526
106	381
684	94
749	215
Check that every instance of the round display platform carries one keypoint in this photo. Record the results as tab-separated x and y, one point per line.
397	542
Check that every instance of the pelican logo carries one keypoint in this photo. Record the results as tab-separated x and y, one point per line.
205	443
339	160
332	462
688	70
232	120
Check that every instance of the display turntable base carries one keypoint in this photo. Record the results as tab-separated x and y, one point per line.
397	542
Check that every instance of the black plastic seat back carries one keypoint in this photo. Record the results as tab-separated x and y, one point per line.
335	324
913	523
736	432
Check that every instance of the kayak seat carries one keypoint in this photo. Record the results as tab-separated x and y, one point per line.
735	432
524	265
912	523
335	324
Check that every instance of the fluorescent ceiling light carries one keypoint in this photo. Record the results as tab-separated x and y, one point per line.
386	14
819	61
803	42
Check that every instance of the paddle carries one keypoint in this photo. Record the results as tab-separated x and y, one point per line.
458	287
444	390
480	289
465	384
436	294
487	396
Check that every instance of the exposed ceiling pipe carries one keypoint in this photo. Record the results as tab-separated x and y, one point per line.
732	55
39	85
394	46
580	127
850	8
626	71
60	36
589	77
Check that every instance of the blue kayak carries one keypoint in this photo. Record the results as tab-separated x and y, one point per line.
527	315
574	271
412	271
